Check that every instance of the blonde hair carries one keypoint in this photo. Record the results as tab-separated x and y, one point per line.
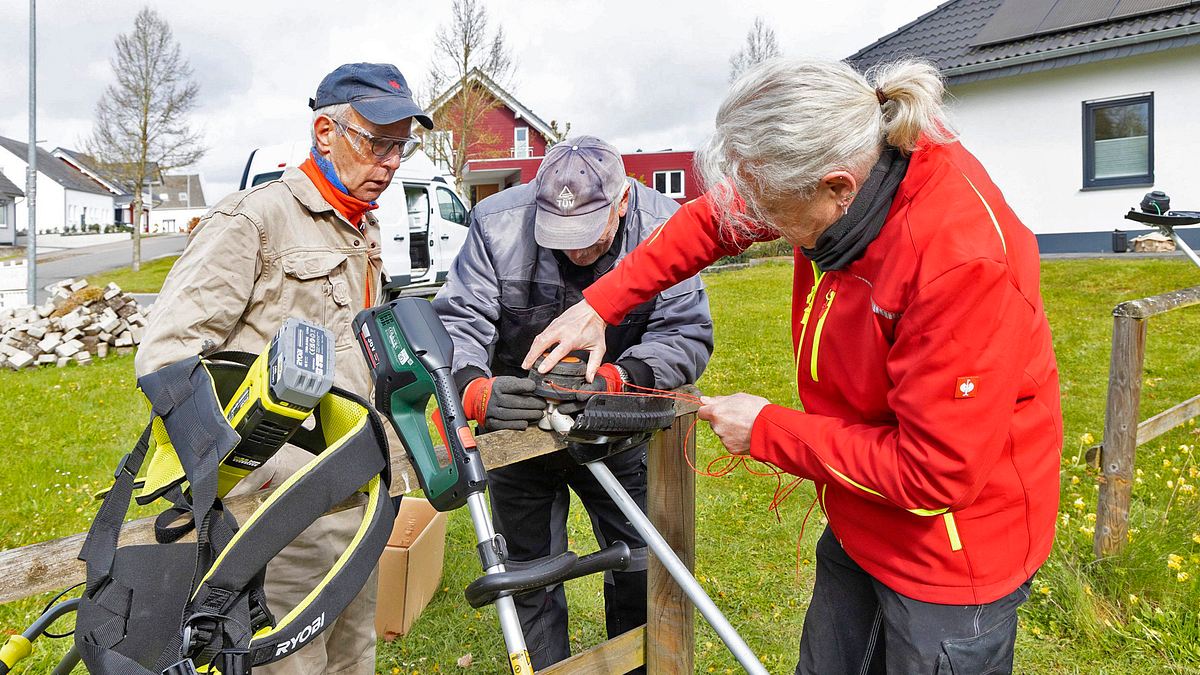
788	122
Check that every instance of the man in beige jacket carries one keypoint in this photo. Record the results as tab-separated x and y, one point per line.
306	246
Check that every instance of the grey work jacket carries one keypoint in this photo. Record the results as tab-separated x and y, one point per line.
503	289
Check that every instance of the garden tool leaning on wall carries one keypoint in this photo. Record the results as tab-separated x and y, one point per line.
410	354
178	608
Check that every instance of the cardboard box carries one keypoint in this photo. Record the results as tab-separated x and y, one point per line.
410	569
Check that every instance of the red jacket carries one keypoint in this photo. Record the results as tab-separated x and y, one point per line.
933	426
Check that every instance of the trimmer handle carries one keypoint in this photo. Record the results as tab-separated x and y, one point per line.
410	355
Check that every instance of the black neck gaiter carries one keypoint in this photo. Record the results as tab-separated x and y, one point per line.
845	240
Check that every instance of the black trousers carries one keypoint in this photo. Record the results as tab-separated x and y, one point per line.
530	501
857	626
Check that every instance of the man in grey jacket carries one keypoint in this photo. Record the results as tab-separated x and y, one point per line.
531	251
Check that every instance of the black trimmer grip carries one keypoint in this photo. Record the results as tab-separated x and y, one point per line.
484	590
555	570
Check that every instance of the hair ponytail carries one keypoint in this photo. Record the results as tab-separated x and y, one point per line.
912	92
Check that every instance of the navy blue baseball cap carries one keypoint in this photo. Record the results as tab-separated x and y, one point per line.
377	91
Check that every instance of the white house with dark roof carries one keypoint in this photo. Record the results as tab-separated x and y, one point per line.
9	194
1076	107
178	199
66	197
121	192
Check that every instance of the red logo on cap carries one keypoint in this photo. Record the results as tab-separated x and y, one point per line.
395	84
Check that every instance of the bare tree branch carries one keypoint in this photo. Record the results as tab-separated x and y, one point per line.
761	45
141	120
466	44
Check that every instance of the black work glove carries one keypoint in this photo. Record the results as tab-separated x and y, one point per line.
503	402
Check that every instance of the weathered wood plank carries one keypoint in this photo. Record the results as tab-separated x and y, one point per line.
618	655
1145	308
1120	434
671	506
1167	420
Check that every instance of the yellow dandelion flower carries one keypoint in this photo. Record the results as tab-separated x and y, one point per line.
1133	599
1187	488
1090	517
1087	439
1171	484
1044	590
1174	562
1196	537
1074	480
1078	504
1183	576
1166	463
1087	589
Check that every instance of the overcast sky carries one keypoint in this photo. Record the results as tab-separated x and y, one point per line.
640	74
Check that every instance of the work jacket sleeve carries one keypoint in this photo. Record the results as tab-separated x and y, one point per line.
205	293
469	306
954	395
679	336
688	242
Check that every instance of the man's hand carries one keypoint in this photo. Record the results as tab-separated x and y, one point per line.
732	417
580	327
503	402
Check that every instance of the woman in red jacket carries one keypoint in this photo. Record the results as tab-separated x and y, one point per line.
931	425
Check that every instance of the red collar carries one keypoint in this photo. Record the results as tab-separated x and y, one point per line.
353	209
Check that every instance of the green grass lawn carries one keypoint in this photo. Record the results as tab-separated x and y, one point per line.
149	279
1138	613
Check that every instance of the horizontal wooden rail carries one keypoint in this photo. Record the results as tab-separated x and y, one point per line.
1145	308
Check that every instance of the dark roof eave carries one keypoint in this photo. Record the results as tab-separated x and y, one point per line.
958	74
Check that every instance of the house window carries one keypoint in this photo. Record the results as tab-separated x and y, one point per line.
521	142
1118	142
670	183
450	207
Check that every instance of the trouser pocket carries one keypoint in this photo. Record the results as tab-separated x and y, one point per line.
989	653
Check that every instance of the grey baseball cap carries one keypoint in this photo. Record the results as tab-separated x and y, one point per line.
577	183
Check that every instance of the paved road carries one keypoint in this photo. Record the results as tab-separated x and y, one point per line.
89	261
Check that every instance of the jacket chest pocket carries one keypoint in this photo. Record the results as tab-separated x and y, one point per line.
317	289
518	327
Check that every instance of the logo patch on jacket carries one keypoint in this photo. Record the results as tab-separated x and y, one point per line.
966	387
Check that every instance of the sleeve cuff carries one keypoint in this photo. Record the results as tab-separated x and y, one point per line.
640	373
465	375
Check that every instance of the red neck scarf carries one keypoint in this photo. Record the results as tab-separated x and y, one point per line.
353	209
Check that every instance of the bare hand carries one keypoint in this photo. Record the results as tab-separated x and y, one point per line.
732	418
580	327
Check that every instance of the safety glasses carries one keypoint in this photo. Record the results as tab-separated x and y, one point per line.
381	146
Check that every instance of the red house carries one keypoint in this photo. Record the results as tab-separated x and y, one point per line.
512	142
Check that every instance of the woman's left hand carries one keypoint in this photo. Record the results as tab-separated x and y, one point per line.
732	417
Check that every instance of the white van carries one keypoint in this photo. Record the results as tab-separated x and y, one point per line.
422	222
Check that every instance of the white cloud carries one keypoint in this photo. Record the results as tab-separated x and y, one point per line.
646	75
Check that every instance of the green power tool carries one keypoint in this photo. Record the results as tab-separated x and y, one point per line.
410	355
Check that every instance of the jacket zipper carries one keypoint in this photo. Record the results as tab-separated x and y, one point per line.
816	347
808	307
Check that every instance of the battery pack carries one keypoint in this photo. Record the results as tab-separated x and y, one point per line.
284	385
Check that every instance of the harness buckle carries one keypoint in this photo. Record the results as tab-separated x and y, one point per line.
123	467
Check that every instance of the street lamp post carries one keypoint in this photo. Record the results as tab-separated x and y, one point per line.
31	171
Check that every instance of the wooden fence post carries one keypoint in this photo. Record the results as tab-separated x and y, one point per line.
1120	434
671	506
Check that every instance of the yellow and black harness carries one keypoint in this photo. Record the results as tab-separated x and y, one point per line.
181	607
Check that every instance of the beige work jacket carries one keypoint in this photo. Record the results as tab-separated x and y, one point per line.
275	251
